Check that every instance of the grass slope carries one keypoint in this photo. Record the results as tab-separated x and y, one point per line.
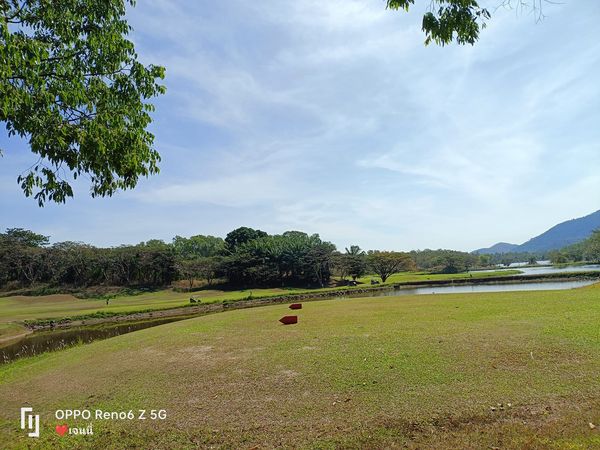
420	372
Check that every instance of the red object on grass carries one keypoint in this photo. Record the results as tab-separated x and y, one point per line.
296	306
289	320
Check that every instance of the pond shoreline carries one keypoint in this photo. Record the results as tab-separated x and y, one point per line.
190	311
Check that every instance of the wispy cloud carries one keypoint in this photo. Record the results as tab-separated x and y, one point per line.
332	117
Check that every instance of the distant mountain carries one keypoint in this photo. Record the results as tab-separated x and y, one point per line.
559	236
500	247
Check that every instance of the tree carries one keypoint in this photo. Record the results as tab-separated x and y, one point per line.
22	256
241	236
209	268
449	20
29	262
292	258
317	262
27	238
558	257
71	84
447	261
484	260
451	261
385	264
355	259
592	247
198	246
155	244
462	20
72	263
205	268
188	269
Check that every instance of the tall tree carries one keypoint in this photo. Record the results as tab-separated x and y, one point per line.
356	261
241	236
318	261
72	85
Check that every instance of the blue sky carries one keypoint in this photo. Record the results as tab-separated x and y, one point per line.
332	117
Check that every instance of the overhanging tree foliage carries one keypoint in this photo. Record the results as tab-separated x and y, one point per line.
71	84
449	20
461	21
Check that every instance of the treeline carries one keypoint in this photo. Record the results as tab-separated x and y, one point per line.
584	251
588	250
447	261
246	257
506	259
26	259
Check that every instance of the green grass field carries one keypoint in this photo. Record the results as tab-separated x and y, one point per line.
410	372
409	277
19	308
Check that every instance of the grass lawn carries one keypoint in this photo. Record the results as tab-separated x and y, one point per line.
417	372
19	308
56	306
408	277
10	331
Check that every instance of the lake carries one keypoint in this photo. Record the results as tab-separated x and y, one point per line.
543	270
485	287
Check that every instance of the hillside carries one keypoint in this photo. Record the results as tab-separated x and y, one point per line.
500	247
559	236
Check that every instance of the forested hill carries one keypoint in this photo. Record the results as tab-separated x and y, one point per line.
500	247
559	236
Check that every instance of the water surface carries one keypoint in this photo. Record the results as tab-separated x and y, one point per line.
45	341
544	270
487	287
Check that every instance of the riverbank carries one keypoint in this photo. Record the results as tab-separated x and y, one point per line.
81	305
194	310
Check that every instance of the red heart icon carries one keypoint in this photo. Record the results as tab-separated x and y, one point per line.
62	429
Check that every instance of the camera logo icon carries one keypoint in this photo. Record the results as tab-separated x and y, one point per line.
30	422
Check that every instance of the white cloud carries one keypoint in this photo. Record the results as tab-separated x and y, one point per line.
237	190
332	117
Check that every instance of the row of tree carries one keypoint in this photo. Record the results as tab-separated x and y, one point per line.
28	261
246	257
506	259
588	250
251	257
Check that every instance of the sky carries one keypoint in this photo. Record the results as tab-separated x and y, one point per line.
332	117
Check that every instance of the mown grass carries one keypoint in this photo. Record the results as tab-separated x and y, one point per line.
408	277
28	308
11	331
419	371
